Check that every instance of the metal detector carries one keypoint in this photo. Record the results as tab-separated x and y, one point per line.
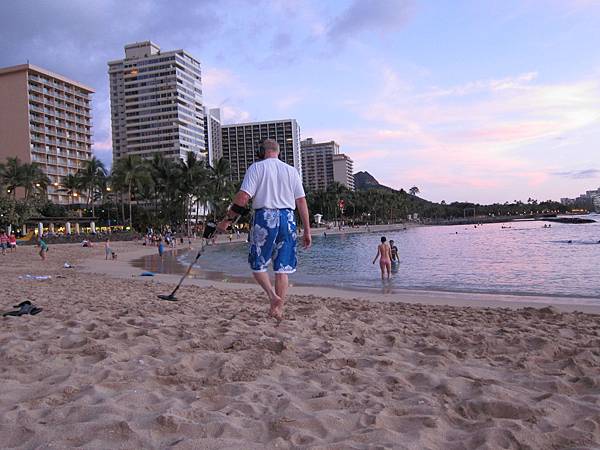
209	231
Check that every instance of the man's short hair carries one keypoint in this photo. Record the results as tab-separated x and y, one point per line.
271	145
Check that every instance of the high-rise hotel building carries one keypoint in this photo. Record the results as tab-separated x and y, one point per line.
343	170
323	164
241	140
317	163
156	103
213	134
45	119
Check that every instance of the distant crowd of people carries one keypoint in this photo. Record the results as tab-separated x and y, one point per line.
163	240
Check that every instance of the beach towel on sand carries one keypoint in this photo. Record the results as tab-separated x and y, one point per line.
34	277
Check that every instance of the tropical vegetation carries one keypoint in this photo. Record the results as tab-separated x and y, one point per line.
380	204
162	191
26	180
137	192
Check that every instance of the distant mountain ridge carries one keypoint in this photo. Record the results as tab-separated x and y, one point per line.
364	180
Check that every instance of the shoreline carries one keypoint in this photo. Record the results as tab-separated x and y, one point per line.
125	267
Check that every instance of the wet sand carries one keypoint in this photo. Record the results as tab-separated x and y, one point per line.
108	365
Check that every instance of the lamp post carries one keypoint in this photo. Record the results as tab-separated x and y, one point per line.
108	190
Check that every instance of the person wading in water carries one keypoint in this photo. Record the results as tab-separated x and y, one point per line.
385	254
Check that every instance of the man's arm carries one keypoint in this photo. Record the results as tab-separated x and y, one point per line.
241	199
303	211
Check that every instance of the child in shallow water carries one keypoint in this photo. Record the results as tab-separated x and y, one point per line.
161	248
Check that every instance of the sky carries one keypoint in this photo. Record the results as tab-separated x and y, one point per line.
469	100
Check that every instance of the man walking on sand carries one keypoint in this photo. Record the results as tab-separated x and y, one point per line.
276	190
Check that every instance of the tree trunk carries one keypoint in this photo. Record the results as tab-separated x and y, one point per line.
189	214
197	212
129	194
155	205
122	209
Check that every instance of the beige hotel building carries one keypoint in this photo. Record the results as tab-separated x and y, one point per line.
45	118
323	164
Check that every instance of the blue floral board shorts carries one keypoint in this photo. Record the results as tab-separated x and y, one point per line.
273	238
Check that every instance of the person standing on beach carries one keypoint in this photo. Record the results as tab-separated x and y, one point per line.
107	249
3	241
43	248
12	242
385	262
276	190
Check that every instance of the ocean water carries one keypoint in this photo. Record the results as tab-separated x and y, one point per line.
526	258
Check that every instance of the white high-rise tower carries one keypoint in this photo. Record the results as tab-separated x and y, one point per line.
156	103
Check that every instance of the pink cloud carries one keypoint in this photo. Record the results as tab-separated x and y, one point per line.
370	155
515	132
479	140
534	178
103	145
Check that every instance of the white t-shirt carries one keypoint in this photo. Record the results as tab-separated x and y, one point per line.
273	184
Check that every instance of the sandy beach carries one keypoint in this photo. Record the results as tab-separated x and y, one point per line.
106	365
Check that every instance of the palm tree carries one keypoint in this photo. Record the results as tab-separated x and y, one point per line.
166	175
193	175
71	184
157	166
11	174
33	180
91	177
131	173
414	190
221	186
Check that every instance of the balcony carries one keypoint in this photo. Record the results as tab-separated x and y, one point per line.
36	108
36	88
36	98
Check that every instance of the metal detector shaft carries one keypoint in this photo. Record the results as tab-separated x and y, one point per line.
187	272
209	231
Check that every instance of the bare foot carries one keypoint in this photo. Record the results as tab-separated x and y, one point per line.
276	306
278	312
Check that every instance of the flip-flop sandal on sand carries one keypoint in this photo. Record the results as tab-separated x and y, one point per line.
24	308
